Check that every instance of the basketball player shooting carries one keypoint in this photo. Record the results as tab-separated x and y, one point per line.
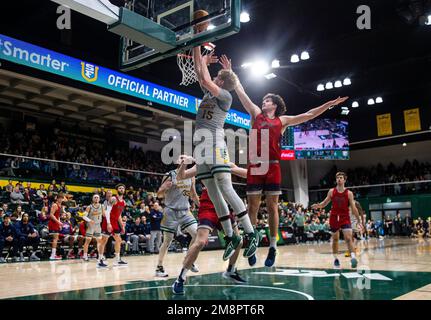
216	175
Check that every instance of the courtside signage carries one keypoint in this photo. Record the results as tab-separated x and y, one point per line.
43	59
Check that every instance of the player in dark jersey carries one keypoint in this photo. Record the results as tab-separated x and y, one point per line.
208	221
339	217
264	173
112	224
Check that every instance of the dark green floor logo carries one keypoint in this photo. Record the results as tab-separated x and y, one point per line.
266	284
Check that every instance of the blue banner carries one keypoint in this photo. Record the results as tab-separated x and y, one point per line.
40	58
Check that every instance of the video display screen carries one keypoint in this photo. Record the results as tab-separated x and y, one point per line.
320	139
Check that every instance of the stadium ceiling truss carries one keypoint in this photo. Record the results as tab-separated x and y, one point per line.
43	98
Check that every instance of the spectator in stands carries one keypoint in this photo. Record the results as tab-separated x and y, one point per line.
18	213
63	187
41	192
28	237
397	223
70	204
9	187
156	216
67	234
299	223
130	202
28	197
8	238
16	196
31	190
53	187
138	235
147	226
6	210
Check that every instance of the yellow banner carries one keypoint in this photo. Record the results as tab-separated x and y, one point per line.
412	120
384	125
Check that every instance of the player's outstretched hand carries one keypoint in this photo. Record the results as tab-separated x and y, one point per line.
225	62
315	206
210	59
338	101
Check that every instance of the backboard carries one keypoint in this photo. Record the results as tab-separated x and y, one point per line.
153	30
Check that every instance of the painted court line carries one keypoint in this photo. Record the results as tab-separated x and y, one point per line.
216	285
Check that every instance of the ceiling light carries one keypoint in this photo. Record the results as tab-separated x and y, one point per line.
260	68
379	100
305	55
295	58
338	84
244	17
347	82
428	23
371	102
345	112
320	87
329	86
275	64
355	104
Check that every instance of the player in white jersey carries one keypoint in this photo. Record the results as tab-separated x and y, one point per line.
93	217
176	194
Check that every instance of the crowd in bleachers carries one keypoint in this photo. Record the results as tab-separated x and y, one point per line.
55	144
25	213
410	171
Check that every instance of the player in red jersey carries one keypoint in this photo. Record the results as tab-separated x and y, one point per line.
339	217
55	225
112	224
207	222
264	173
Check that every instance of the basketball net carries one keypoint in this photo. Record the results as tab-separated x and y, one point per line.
187	66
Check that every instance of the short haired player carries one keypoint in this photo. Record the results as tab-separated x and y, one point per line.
339	218
216	174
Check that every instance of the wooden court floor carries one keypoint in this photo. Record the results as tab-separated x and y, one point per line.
397	268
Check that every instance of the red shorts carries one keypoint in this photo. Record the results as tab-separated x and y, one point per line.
207	218
116	229
268	183
337	222
53	227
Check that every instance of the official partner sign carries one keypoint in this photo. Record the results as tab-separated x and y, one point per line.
43	59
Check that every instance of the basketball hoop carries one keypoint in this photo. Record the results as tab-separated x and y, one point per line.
186	64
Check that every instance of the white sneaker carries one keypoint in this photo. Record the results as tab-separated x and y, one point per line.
194	268
160	272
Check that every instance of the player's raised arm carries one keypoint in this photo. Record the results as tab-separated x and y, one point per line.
325	202
166	185
205	77
311	114
182	172
251	108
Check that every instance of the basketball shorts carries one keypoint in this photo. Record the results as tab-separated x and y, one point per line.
217	162
208	219
94	230
337	222
53	227
116	229
268	183
174	218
